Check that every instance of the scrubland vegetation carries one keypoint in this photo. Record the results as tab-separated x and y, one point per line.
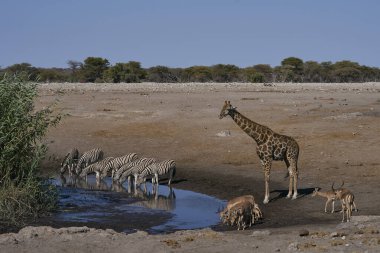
23	193
292	69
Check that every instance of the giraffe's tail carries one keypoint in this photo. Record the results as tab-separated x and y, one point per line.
286	175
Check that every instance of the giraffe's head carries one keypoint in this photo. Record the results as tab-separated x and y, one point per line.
226	109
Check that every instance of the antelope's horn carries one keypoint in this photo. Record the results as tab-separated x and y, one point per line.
342	184
332	186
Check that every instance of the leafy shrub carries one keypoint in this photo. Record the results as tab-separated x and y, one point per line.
22	192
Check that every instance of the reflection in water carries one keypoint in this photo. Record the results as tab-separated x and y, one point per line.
186	209
154	200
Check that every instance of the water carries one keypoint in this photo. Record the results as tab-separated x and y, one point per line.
110	206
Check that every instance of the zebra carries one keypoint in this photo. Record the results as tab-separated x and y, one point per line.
97	167
70	161
156	170
138	169
88	158
128	170
116	163
126	167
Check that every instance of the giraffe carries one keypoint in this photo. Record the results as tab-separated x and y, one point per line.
270	146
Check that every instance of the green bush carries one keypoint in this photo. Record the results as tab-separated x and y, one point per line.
23	194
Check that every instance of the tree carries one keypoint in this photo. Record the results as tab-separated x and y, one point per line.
326	69
225	73
197	74
292	69
93	69
312	72
162	74
24	69
250	74
266	70
347	74
53	75
346	71
130	72
295	63
74	67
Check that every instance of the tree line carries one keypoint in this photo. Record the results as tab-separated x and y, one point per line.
292	69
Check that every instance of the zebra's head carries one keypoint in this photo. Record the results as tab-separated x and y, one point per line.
226	109
139	180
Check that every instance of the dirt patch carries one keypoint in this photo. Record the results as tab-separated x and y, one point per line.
333	123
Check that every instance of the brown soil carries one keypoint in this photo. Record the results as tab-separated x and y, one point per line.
336	125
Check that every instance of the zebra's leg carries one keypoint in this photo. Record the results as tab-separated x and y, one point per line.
129	180
171	175
135	177
145	189
156	178
129	188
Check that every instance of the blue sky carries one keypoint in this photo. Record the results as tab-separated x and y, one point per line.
179	33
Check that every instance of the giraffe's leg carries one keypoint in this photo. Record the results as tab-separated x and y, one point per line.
267	166
290	186
295	178
288	165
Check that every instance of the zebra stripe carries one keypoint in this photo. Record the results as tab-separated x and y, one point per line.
97	167
88	158
128	166
158	169
116	163
134	168
69	161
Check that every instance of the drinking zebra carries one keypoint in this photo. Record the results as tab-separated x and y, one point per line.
116	163
125	167
70	161
88	158
97	168
129	170
156	170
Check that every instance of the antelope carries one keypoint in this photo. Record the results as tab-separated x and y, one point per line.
329	195
225	214
344	190
243	214
347	201
242	211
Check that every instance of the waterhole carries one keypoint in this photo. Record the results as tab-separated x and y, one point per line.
125	209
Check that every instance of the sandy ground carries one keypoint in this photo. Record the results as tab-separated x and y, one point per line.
337	127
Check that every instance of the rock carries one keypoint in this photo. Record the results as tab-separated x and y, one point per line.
8	239
75	230
261	233
224	133
293	246
304	232
111	231
338	234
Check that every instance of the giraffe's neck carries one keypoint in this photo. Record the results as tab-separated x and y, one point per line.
250	127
